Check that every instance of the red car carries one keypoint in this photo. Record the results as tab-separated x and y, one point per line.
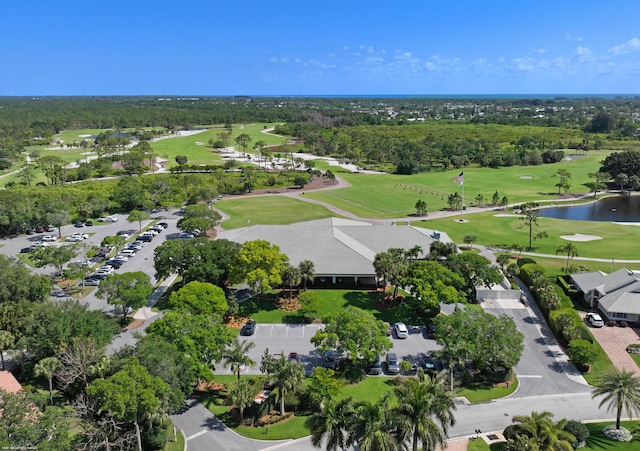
294	356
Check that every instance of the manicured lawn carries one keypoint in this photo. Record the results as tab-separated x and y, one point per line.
393	196
370	389
597	441
178	444
618	241
293	428
636	358
269	210
264	310
487	393
479	445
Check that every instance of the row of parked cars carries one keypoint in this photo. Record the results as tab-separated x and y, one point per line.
128	252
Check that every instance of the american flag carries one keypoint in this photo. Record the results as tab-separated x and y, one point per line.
459	179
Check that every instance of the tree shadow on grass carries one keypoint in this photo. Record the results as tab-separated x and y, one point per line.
255	304
370	301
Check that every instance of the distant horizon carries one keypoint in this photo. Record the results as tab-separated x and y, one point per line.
369	96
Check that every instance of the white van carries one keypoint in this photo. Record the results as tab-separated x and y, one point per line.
128	252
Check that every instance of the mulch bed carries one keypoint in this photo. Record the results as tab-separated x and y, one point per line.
236	322
211	386
288	306
134	324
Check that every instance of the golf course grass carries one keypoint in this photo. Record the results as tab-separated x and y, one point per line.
385	196
269	210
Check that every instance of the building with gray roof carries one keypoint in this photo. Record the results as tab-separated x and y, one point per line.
617	295
342	250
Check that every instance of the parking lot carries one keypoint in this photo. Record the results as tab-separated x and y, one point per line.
142	261
285	338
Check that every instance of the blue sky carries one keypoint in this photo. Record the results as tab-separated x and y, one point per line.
302	47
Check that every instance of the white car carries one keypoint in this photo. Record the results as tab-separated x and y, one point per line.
121	257
48	238
402	331
594	319
108	219
82	236
105	268
73	239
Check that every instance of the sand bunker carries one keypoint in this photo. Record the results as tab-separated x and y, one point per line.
84	136
526	177
580	237
199	143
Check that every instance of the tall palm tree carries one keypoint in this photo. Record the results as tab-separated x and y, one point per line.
621	390
307	272
288	375
428	409
47	368
375	427
290	277
237	355
570	249
331	423
6	341
242	395
547	435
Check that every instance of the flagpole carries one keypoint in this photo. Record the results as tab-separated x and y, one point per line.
462	206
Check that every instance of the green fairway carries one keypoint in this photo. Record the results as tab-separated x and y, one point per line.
491	229
393	196
269	210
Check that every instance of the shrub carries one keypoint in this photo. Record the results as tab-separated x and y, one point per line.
582	352
633	348
510	432
578	430
525	261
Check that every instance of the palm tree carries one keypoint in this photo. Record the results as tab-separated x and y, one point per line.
621	390
47	368
237	355
242	395
288	375
307	272
427	407
6	341
375	427
290	277
547	435
570	249
331	423
414	252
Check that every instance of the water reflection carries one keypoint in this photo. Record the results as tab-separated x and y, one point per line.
617	208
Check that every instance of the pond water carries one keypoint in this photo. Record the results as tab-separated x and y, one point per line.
616	208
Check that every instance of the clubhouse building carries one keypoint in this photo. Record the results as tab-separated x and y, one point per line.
342	250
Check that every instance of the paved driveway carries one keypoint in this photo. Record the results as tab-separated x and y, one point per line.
614	341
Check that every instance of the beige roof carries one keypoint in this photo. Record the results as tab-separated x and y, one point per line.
336	246
9	383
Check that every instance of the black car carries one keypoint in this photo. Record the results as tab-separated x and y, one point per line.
164	225
146	238
30	231
26	250
78	224
116	264
88	223
40	229
250	327
375	368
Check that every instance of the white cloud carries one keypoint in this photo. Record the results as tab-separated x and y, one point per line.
582	51
540	50
628	47
573	38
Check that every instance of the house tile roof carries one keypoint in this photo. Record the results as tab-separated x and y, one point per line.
9	383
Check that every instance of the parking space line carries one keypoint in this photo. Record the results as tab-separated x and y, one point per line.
271	333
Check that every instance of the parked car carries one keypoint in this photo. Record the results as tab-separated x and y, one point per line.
431	364
157	228
128	252
108	219
294	356
145	238
375	367
185	235
123	233
73	238
91	281
49	228
164	225
121	257
431	330
78	224
249	327
98	275
88	223
106	268
29	231
393	366
594	319
330	360
48	238
134	246
40	229
115	264
26	250
411	367
82	236
401	330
